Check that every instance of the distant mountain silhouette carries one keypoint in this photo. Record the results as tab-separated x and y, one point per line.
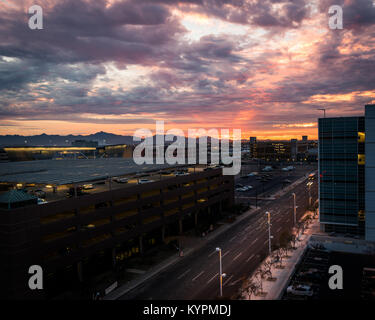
103	138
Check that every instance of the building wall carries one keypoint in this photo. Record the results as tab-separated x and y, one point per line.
57	234
370	172
341	187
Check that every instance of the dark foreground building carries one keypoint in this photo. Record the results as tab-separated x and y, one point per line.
71	238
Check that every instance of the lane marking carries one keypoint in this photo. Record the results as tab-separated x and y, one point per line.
215	276
237	256
185	273
226	281
249	258
231	239
253	242
197	276
212	253
226	253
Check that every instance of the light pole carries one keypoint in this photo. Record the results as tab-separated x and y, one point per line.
221	274
309	187
269	231
294	208
324	110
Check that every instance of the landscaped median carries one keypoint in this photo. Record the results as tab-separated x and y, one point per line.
268	281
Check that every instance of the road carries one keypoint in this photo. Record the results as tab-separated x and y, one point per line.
243	246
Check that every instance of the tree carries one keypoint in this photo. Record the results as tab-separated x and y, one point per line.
268	268
250	287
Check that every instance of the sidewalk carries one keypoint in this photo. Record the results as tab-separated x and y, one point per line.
273	290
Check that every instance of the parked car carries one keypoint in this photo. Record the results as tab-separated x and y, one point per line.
88	186
121	180
181	173
243	189
42	201
40	193
142	181
300	290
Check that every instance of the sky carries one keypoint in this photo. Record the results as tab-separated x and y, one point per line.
262	66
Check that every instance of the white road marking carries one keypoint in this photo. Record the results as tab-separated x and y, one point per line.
185	273
237	256
197	276
226	281
245	238
249	258
212	253
231	239
215	276
226	253
253	242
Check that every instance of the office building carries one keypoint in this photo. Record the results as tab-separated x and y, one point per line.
346	162
78	236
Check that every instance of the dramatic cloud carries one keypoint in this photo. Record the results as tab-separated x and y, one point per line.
264	66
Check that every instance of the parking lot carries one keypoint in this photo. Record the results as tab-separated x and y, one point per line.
263	183
311	274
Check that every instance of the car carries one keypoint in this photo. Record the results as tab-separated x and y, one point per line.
142	181
252	174
248	187
87	186
181	173
300	290
42	201
121	180
40	193
287	181
241	189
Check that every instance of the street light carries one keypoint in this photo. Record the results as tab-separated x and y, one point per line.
294	208
309	184
221	274
269	231
324	110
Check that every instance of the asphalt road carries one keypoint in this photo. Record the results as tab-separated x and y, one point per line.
195	277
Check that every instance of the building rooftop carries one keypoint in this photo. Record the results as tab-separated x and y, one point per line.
14	196
60	172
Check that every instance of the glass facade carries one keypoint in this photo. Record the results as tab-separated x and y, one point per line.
341	170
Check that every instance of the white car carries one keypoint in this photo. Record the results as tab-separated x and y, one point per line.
42	201
248	187
87	186
243	189
121	180
300	290
181	173
142	181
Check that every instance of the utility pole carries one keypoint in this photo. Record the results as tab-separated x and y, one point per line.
294	208
269	231
221	274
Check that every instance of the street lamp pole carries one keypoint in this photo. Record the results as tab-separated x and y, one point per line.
309	185
294	208
269	231
221	274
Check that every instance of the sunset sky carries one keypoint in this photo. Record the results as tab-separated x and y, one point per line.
263	66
